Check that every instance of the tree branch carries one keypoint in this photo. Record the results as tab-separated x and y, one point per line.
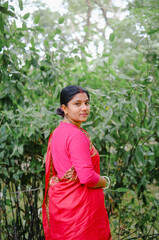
103	9
88	19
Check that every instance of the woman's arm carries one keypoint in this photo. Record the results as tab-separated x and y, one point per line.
79	152
101	183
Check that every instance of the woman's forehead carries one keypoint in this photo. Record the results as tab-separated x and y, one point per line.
80	97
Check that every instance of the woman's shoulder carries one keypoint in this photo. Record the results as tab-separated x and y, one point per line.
69	130
67	133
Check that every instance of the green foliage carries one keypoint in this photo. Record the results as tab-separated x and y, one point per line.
37	62
5	10
20	4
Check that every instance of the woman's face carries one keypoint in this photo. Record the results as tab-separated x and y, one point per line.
78	108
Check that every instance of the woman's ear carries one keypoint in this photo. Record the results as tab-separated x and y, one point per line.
64	108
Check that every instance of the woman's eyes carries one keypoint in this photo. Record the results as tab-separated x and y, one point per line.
78	104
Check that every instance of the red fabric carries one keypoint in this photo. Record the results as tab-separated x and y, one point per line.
76	212
47	174
70	147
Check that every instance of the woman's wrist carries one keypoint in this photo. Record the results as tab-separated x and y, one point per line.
107	182
104	182
101	183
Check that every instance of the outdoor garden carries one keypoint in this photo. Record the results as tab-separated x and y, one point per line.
109	47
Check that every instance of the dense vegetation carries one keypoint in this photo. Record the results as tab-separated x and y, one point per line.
43	51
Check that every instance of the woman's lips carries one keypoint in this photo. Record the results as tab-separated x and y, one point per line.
84	114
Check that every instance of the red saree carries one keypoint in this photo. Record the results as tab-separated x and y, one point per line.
71	210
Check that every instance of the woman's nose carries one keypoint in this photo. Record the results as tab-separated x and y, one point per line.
84	107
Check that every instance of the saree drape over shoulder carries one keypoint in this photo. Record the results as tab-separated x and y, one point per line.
72	209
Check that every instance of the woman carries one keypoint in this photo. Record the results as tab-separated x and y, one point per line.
73	207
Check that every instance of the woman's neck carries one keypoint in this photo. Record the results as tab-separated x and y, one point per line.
68	120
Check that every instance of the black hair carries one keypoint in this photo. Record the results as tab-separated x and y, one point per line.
67	94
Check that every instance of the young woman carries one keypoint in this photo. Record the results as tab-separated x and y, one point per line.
73	207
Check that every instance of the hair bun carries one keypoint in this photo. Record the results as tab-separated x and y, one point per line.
60	112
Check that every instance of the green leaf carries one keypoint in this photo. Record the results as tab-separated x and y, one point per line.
153	31
1	25
20	172
5	4
26	16
38	170
32	42
34	62
140	57
136	66
109	114
55	45
20	44
121	190
36	19
112	37
46	43
40	29
14	150
20	149
16	177
3	163
57	31
24	25
103	113
61	20
8	202
22	29
121	63
109	139
69	60
110	60
7	12
46	133
20	4
139	155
